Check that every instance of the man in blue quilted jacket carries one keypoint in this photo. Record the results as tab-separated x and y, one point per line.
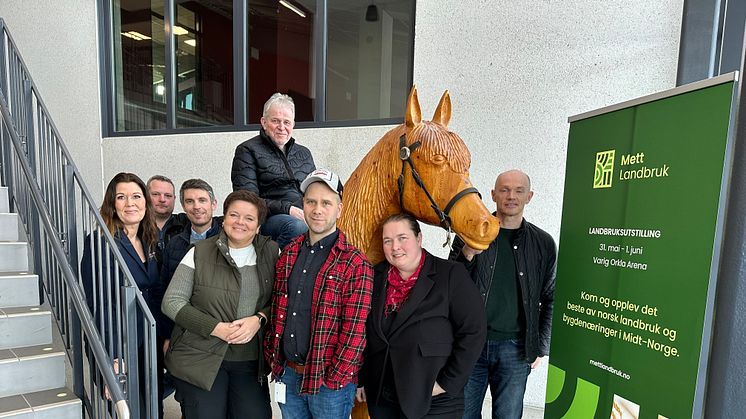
273	165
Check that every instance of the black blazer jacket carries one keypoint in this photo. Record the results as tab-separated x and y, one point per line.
438	334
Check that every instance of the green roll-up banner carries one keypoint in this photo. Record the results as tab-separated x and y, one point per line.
639	250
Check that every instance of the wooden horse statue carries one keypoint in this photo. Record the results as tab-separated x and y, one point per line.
418	167
422	168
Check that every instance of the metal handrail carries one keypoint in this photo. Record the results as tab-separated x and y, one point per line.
60	217
77	298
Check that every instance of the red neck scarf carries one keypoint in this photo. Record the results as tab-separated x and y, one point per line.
398	288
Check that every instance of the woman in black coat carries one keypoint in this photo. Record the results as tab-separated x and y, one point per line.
425	330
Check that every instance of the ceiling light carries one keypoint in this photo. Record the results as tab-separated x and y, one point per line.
160	90
178	30
292	7
192	42
137	36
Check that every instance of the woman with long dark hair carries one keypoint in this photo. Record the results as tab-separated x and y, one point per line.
127	212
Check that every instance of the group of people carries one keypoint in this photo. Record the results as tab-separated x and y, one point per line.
273	291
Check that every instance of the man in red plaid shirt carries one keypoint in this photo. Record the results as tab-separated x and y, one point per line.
320	301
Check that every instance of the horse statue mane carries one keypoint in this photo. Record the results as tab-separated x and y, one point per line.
442	160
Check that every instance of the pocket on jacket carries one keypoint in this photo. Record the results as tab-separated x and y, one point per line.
176	335
435	349
210	344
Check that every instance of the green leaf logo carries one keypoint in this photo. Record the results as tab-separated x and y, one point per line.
603	174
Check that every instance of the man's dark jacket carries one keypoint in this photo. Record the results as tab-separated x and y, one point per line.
437	335
176	248
536	263
261	167
173	226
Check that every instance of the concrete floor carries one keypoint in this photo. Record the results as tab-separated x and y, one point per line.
172	411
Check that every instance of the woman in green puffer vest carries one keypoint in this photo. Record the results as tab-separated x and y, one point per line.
219	298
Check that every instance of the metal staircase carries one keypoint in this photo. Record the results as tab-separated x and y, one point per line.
32	363
47	330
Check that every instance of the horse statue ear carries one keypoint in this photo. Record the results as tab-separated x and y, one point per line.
413	115
443	111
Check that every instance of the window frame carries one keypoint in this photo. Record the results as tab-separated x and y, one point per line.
240	71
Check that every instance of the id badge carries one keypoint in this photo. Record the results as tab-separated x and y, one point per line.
280	390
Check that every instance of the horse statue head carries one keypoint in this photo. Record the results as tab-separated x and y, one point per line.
422	168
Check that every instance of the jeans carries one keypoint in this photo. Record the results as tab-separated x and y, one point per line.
283	228
503	366
327	404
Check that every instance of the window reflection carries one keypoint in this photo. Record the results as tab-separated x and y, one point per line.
280	55
204	63
367	72
368	58
139	65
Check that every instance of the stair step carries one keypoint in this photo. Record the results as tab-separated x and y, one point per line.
14	257
19	289
48	404
8	227
31	369
25	326
4	207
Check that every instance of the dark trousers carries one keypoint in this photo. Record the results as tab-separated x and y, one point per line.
443	406
236	393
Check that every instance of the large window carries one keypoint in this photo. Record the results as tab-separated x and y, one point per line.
211	64
139	66
204	62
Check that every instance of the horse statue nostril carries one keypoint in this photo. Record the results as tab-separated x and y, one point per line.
484	229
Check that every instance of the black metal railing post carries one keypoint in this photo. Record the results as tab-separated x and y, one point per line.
28	112
3	62
98	308
72	218
4	152
76	343
132	384
76	357
33	220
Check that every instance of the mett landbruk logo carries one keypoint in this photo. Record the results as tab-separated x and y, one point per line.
604	172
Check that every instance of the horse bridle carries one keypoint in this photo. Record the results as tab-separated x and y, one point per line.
405	154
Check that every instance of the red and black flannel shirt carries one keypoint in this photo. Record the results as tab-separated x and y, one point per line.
341	302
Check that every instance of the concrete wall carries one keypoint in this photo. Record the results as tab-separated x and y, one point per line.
209	156
515	70
58	42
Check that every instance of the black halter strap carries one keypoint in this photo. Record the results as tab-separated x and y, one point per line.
405	154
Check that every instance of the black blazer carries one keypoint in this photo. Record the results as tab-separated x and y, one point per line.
146	277
438	334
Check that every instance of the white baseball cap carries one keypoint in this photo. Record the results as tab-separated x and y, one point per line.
323	175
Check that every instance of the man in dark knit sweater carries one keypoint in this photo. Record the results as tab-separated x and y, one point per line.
515	276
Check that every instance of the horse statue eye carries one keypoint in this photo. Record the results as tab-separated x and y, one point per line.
438	159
